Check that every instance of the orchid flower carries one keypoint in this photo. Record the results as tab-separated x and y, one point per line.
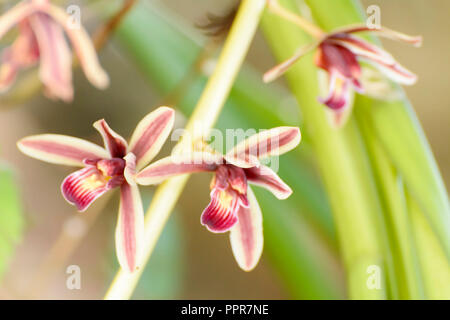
41	38
339	53
107	168
233	206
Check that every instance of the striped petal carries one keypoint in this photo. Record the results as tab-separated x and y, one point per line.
176	165
84	186
150	135
379	58
394	71
61	149
15	15
56	59
382	32
265	177
246	236
83	47
336	58
130	228
267	143
221	213
339	93
8	70
114	143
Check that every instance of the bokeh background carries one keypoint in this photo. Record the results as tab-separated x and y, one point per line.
189	262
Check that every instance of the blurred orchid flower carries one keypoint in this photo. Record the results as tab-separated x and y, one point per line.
108	168
41	38
339	53
233	206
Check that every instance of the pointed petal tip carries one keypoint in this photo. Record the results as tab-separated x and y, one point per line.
270	75
246	237
129	229
150	134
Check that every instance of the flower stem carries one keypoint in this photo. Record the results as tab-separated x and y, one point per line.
312	29
206	113
103	33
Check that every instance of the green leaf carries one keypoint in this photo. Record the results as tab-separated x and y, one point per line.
11	216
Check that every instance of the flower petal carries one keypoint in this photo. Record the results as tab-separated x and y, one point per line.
221	213
246	236
8	70
281	68
383	32
267	143
22	53
56	60
265	177
337	58
394	71
14	15
176	165
83	47
59	149
130	228
339	93
130	168
378	57
114	143
150	135
84	186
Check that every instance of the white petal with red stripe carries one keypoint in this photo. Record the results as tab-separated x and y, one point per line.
61	149
130	228
114	143
267	143
55	57
150	135
246	236
265	177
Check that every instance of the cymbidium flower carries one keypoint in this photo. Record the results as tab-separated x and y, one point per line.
106	168
233	206
339	53
41	39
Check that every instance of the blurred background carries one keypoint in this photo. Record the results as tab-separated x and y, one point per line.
159	56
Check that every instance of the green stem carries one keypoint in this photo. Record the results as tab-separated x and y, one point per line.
407	270
206	114
351	194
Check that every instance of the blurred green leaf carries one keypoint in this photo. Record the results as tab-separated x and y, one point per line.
11	216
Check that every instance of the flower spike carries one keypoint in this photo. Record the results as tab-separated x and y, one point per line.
104	169
339	53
